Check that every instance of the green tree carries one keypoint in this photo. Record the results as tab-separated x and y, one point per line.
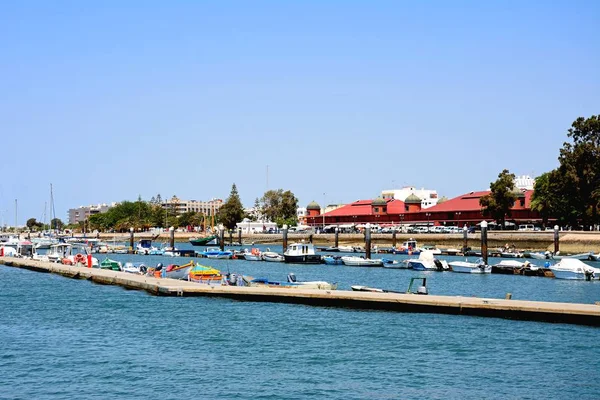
542	199
279	206
580	170
232	211
56	223
33	224
501	199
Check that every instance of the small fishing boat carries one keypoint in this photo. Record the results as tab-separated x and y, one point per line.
421	289
572	268
333	260
409	247
175	271
301	253
271	256
215	252
252	255
346	249
356	261
432	248
205	241
509	267
144	247
112	265
204	274
135	268
395	264
292	283
581	256
470	268
426	262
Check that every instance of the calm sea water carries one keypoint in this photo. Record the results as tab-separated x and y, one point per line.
64	338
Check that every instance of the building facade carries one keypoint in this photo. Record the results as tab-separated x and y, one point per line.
179	206
81	214
459	211
429	198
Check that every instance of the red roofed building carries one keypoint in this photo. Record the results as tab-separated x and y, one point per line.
458	211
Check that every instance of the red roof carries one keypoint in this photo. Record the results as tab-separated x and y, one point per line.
470	202
364	207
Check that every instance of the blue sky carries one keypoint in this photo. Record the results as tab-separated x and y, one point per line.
341	99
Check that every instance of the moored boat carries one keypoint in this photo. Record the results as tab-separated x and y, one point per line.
356	261
203	273
572	268
112	265
301	253
271	256
427	262
469	267
205	241
292	283
333	260
215	252
252	255
409	248
135	268
175	271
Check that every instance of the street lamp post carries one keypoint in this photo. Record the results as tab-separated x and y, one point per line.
458	218
428	215
402	222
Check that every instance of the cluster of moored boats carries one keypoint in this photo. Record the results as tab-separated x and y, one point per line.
566	267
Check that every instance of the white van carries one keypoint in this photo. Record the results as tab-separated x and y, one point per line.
526	227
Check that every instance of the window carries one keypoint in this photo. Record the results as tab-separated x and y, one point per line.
376	209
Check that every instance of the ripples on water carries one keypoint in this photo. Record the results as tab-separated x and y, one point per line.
65	338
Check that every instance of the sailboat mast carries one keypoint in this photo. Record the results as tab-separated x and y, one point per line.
52	212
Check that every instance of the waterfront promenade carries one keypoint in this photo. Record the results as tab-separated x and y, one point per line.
584	314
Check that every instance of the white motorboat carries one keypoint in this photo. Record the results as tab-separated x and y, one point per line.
135	268
70	254
396	264
144	247
572	268
581	256
541	256
433	249
470	267
271	256
355	261
346	249
427	262
301	253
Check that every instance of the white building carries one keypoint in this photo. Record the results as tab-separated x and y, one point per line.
249	226
429	198
524	182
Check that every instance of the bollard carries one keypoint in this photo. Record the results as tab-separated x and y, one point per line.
556	238
172	238
222	238
240	236
131	240
89	261
508	296
284	232
337	237
465	239
484	248
394	238
368	241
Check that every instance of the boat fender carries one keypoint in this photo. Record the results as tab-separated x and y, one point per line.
79	258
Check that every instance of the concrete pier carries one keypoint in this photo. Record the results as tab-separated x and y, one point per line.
583	314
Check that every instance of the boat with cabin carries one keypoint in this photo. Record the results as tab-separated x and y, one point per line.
301	253
408	248
427	262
